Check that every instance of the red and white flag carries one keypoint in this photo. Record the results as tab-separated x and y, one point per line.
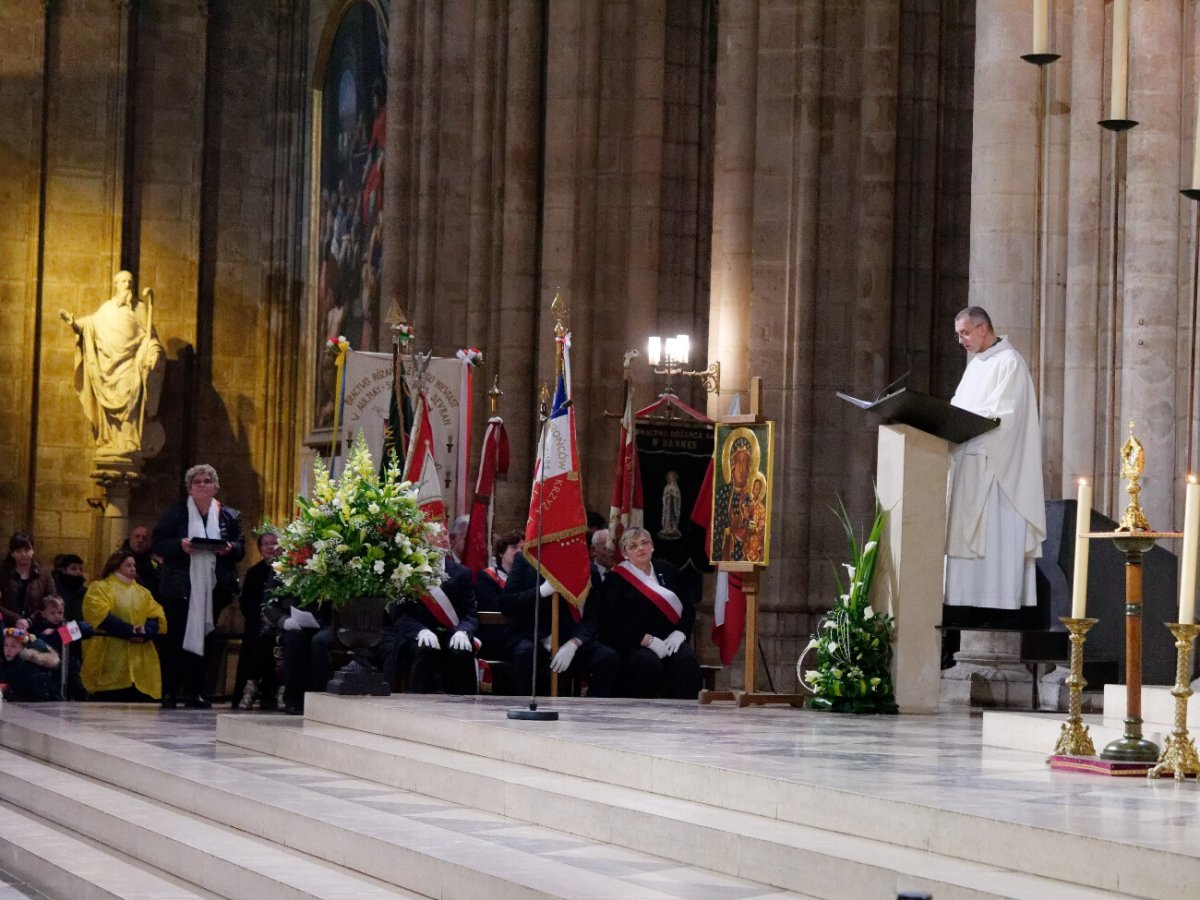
69	631
556	531
729	605
420	467
493	464
626	508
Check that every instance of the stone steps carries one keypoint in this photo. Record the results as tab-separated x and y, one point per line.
220	861
973	836
60	864
513	781
300	814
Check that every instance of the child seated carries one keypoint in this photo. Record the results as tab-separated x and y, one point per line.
48	626
28	667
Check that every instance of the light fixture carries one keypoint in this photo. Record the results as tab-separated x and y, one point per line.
668	356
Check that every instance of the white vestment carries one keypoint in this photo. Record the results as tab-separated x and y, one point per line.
997	518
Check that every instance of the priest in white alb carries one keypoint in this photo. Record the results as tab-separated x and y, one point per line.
997	518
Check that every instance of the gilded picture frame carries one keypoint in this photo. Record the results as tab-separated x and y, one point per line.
743	482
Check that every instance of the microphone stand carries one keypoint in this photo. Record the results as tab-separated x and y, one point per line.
532	713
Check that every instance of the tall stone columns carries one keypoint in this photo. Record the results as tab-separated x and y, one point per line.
1151	298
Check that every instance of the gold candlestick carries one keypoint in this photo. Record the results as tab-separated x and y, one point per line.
1074	739
1179	754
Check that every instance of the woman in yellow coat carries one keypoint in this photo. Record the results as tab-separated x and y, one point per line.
121	656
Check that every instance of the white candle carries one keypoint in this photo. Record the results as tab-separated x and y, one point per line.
1120	61
1196	144
1041	26
1187	566
1083	522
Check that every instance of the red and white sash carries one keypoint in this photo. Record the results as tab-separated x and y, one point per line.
497	575
665	599
440	606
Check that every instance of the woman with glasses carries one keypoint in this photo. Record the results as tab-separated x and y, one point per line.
200	542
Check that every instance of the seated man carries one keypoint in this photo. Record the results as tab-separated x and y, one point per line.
306	637
489	583
435	637
582	651
654	619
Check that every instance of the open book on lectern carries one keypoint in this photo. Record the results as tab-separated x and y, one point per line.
929	414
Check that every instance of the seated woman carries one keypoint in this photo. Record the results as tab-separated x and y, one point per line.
28	668
120	662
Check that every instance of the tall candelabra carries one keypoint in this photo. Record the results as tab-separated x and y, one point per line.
1179	753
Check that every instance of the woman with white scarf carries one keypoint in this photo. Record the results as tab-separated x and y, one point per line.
200	542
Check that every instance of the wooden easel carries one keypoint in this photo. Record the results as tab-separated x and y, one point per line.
749	572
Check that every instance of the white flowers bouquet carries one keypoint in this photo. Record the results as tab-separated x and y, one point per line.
361	535
853	643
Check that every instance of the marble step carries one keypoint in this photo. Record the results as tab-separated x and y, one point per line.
782	854
1038	732
1158	706
222	861
61	864
968	834
361	826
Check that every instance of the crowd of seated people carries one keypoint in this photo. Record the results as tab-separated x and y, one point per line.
121	637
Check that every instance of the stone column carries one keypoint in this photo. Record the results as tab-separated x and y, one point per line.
733	198
1081	41
1150	299
1003	169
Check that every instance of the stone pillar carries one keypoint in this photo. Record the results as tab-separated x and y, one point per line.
1003	168
1150	299
1081	41
733	199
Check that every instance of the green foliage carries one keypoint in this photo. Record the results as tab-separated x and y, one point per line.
361	535
853	643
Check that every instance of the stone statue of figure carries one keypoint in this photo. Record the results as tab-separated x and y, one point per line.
672	503
118	372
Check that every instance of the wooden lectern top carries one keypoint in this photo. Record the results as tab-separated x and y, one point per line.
928	414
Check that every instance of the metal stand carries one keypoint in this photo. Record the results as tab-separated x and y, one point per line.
1074	739
1132	747
1179	755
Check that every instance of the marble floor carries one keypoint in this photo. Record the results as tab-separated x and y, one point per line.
930	761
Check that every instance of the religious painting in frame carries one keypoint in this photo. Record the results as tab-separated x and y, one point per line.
349	140
743	458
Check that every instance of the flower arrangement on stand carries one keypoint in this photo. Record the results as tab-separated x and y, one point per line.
853	643
359	543
360	535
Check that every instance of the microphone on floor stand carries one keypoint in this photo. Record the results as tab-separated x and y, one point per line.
532	713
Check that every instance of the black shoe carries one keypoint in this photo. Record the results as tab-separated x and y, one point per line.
197	703
294	710
168	701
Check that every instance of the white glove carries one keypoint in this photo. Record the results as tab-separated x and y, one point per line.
460	641
562	659
546	643
674	641
546	589
659	647
290	624
427	638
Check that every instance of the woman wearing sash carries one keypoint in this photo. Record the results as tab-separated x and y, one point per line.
654	622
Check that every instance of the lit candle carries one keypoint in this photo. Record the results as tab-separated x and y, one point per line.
1187	568
1120	61
1041	26
1083	522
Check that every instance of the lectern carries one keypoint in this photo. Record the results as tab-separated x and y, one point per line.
911	470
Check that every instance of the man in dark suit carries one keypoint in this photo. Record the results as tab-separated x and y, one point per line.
435	637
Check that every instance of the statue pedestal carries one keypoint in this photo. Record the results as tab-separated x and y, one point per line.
116	477
988	671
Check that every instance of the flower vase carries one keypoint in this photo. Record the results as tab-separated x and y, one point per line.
359	628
